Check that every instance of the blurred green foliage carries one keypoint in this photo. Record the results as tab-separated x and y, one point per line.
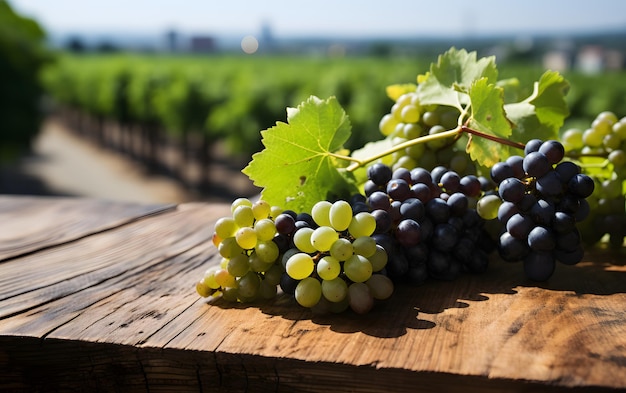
22	55
233	98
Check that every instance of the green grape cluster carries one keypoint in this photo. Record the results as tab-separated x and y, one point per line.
408	120
327	260
601	152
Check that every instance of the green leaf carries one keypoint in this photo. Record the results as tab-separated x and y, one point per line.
542	114
449	80
296	168
488	117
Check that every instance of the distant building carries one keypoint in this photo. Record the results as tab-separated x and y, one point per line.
202	44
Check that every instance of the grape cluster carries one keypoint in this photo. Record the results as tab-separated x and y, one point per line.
426	221
408	120
327	259
602	146
542	198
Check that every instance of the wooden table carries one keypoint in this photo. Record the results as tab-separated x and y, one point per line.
99	296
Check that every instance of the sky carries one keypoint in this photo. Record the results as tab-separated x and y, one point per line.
323	18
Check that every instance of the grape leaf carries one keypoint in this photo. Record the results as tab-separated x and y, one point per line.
488	117
296	168
449	80
542	114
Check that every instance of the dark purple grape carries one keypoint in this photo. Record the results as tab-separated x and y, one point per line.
581	185
532	145
549	184
553	150
570	257
542	212
458	203
438	210
383	220
520	225
285	223
567	170
541	239
402	173
444	237
398	189
378	200
437	173
470	185
512	249
517	165
512	190
501	171
421	191
451	181
536	164
379	173
412	208
421	175
408	233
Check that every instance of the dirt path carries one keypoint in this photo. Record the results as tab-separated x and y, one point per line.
64	164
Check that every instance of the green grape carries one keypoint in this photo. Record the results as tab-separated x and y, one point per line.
572	139
361	300
209	278
228	248
246	238
404	162
225	227
238	265
203	289
328	268
340	215
323	238
265	229
257	264
379	259
267	251
230	294
321	213
239	202
602	126
487	206
612	188
261	209
415	151
267	290
273	274
358	268
275	211
611	142
412	131
342	249
302	240
437	143
225	279
248	285
300	265
430	118
619	129
362	224
334	290
243	216
380	286
617	158
593	137
308	292
387	124
410	114
365	246
607	116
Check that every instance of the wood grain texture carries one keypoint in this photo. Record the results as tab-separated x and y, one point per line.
117	310
29	223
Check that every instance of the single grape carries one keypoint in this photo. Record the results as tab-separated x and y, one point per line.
334	290
299	266
323	238
308	292
328	268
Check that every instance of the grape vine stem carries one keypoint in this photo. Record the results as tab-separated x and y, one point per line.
355	163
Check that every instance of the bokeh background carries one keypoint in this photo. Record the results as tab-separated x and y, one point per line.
163	101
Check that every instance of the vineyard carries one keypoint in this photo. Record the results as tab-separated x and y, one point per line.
142	105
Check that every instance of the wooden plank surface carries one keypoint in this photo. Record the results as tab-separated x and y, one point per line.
28	223
117	309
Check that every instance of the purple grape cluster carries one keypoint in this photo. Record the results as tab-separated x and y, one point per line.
426	222
543	198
